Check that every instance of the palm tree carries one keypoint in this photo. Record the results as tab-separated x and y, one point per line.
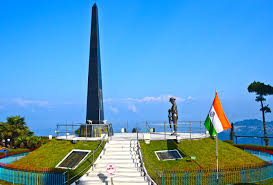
15	127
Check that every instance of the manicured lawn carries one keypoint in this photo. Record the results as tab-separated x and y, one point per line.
203	149
50	154
205	152
4	182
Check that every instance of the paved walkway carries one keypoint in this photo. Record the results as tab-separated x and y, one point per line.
123	157
129	136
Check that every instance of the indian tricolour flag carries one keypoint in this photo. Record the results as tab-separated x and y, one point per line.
216	120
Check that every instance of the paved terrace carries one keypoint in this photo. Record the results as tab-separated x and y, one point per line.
129	136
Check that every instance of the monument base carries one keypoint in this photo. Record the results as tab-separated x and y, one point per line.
95	130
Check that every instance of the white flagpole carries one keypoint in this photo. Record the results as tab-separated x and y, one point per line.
217	157
217	175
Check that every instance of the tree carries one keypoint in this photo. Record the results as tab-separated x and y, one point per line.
12	129
18	128
261	91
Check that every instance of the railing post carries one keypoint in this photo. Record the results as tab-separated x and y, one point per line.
72	129
137	130
66	129
146	127
127	126
13	177
93	161
165	129
185	127
190	129
261	171
200	127
86	131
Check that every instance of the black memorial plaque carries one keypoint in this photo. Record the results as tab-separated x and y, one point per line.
168	155
73	159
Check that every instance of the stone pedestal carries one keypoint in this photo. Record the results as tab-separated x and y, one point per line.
95	130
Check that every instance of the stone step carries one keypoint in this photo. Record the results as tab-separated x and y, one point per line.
117	157
118	149
117	165
103	177
117	173
108	182
122	141
118	153
120	161
120	171
103	169
120	146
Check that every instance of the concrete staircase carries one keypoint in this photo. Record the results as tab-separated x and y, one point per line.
121	153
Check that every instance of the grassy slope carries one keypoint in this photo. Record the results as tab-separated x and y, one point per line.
204	150
50	154
5	182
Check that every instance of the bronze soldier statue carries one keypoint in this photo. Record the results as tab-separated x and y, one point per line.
173	115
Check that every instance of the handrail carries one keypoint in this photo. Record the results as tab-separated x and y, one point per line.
142	166
91	155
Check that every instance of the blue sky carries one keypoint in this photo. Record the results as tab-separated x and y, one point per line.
149	51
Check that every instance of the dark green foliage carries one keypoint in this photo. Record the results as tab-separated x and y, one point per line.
77	132
260	89
16	130
134	130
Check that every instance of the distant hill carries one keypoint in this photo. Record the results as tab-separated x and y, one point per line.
250	127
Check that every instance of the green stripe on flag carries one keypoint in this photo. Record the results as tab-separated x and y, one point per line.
208	124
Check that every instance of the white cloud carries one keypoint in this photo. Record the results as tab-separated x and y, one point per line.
190	98
132	102
148	99
132	108
24	103
107	100
113	109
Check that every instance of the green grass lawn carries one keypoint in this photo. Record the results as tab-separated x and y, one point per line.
205	152
5	182
50	154
203	149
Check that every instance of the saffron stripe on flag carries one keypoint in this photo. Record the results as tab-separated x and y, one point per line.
220	113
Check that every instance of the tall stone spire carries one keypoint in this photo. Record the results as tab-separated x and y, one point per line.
94	111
